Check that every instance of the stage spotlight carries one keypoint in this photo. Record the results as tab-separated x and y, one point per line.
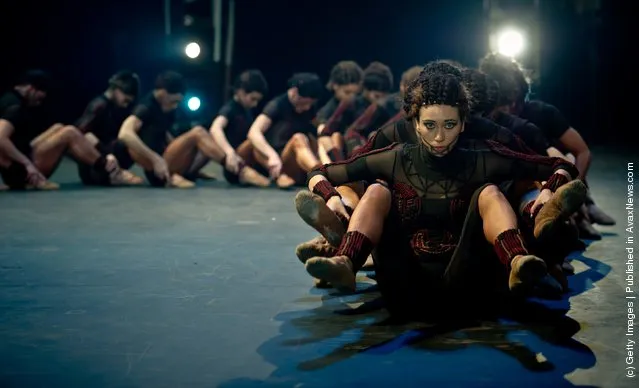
510	43
192	50
194	103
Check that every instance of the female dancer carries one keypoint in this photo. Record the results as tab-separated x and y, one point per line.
443	191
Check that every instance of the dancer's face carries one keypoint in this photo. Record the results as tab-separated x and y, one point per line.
346	92
169	102
301	104
122	99
438	128
249	100
374	95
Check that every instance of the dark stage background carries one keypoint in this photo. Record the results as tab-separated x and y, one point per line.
83	43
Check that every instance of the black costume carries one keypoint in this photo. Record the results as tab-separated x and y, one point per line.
285	122
531	134
28	123
103	118
154	132
374	117
434	231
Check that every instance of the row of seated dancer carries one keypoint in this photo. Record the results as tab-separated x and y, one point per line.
287	139
455	146
467	193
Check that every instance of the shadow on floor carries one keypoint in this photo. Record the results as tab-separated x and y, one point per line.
526	344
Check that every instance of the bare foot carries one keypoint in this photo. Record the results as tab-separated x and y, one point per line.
285	182
248	176
180	182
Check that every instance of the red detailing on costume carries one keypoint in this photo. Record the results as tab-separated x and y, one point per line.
407	201
557	163
505	151
352	158
356	247
364	121
508	245
528	218
523	147
555	181
325	190
368	147
426	247
331	126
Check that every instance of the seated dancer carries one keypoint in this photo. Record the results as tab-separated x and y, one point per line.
102	119
445	206
377	84
384	111
345	82
556	128
231	126
282	138
146	142
29	152
316	214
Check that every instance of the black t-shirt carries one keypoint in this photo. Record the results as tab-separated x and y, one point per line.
156	124
103	119
239	122
531	134
547	117
327	111
28	122
285	122
481	128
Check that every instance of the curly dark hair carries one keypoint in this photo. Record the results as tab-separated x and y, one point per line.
251	81
433	88
346	73
171	81
513	84
378	77
483	89
443	67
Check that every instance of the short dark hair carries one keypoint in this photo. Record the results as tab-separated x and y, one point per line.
307	84
346	73
39	79
127	81
513	84
251	81
171	81
378	77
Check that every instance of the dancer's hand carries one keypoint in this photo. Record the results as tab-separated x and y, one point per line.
232	163
543	197
274	165
34	176
161	170
337	206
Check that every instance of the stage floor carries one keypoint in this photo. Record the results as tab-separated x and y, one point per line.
139	287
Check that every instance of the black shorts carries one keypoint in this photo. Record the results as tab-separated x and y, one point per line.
15	176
